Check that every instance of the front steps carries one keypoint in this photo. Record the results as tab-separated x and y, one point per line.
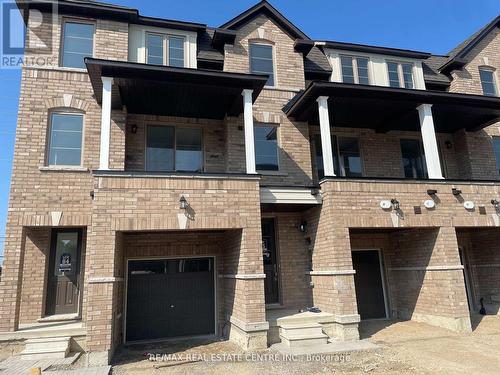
302	334
46	348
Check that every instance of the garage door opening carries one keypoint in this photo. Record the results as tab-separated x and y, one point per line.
168	298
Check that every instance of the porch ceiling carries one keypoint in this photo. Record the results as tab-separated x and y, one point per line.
168	91
385	108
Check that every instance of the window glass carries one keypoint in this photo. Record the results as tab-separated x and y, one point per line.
347	69
413	158
266	148
188	152
65	142
160	148
154	48
408	75
496	148
176	51
66	253
349	156
488	82
393	74
78	43
261	61
363	71
194	265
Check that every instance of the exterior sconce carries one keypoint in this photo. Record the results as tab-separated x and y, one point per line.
395	204
134	129
456	192
495	203
448	145
432	192
183	203
303	226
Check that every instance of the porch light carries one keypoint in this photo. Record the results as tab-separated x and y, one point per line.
134	129
303	226
395	204
183	203
495	203
456	191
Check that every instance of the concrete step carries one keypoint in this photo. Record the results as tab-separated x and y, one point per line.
46	348
300	340
312	329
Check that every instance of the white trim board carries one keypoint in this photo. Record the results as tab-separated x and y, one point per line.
287	195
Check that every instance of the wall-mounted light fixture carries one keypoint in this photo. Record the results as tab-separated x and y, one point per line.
303	226
456	191
495	203
432	192
395	204
448	144
133	129
183	203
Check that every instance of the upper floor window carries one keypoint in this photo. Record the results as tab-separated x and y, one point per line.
488	83
261	61
496	148
171	149
165	50
400	74
414	163
355	70
266	147
65	139
78	43
346	156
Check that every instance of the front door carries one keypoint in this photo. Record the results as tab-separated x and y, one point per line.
369	284
64	272
271	284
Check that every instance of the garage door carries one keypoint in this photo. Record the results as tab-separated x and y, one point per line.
170	298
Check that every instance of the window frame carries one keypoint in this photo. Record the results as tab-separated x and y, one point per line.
166	45
63	34
278	143
354	62
273	59
441	153
65	111
175	127
401	77
493	76
497	159
339	167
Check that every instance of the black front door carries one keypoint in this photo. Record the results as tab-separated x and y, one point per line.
64	272
170	298
271	284
368	282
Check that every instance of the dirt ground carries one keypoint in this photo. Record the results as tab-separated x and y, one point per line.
405	348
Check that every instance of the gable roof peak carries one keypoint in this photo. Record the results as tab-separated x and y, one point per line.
264	7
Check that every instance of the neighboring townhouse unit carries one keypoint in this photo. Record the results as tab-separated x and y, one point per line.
173	179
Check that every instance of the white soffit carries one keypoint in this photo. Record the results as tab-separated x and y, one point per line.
288	195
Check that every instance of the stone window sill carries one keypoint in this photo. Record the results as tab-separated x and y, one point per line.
61	168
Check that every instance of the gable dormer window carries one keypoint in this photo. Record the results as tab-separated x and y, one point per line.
355	70
488	83
400	74
164	49
261	61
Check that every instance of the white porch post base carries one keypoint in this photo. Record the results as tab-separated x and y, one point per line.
429	140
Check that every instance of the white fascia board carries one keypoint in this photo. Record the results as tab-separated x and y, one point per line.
288	195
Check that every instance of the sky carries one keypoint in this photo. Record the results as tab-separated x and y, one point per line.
434	26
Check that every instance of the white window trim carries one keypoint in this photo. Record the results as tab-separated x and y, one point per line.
203	159
273	50
166	46
66	20
64	111
354	60
495	78
400	64
278	143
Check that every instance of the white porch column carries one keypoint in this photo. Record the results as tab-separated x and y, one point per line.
429	140
249	138
107	83
326	139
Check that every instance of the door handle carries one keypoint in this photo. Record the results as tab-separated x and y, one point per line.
172	306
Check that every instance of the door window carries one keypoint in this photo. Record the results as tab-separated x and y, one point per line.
66	260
